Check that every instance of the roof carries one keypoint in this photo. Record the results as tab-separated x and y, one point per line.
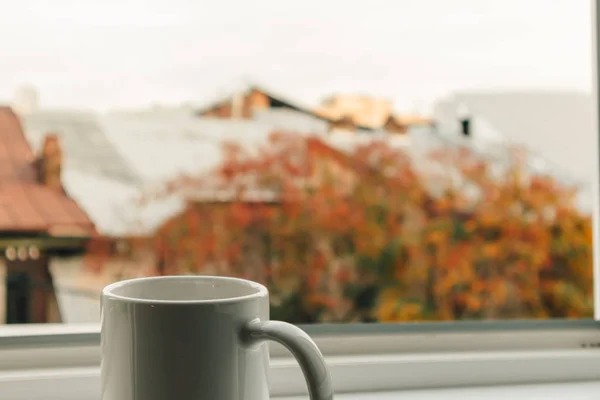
557	128
158	147
25	204
362	110
247	88
291	104
82	136
557	125
114	206
155	149
365	111
16	157
292	121
301	122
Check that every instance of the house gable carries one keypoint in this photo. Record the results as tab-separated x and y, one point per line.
31	202
243	103
395	125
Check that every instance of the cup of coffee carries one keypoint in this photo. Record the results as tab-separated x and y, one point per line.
196	338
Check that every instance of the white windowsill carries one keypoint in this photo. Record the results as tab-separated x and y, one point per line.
62	362
560	391
362	374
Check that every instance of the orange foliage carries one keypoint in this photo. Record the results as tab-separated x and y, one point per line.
366	237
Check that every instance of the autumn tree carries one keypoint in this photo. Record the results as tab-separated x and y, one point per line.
378	235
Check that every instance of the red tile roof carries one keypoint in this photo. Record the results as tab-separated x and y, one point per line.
27	205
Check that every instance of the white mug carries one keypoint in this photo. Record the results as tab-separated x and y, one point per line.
196	338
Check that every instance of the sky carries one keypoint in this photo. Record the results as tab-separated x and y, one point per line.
132	53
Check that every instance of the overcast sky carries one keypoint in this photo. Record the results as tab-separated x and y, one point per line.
127	53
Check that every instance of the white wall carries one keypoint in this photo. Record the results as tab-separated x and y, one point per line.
69	283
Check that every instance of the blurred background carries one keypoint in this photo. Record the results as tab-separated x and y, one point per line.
388	161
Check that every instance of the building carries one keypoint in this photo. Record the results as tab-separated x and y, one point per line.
368	112
40	225
110	161
244	101
556	128
107	185
346	113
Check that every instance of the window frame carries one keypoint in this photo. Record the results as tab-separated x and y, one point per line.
595	6
53	361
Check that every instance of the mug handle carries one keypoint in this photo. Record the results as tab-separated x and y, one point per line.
301	346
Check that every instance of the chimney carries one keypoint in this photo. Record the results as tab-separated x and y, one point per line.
50	163
464	118
237	104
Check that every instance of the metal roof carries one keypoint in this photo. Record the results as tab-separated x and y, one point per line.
151	149
155	149
291	121
114	206
161	148
82	137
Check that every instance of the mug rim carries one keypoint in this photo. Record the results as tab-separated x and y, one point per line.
108	291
